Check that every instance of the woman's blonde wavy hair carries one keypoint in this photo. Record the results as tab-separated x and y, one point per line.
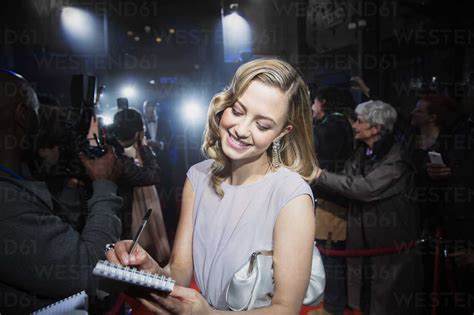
297	151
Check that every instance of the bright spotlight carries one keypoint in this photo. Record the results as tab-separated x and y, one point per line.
192	111
77	23
128	91
107	120
237	37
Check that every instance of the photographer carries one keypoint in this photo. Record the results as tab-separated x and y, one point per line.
42	258
140	174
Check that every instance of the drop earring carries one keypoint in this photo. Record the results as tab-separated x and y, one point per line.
276	158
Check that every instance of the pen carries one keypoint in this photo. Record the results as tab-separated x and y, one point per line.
140	230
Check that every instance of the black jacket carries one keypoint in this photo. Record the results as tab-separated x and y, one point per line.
135	175
334	143
43	258
447	202
381	214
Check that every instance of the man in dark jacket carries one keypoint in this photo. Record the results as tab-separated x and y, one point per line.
129	131
334	144
42	258
444	195
381	215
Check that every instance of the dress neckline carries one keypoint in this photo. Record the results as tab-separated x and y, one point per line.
259	182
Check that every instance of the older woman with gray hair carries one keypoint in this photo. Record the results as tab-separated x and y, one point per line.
381	216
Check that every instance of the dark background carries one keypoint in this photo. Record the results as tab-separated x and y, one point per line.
398	47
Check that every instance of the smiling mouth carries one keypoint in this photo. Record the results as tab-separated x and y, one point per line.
237	143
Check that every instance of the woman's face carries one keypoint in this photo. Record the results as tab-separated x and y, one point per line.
420	115
256	119
364	132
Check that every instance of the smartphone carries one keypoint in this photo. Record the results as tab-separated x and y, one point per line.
435	157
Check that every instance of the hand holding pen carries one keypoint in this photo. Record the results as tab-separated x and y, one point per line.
140	230
130	253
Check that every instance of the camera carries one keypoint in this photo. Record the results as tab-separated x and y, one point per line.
84	132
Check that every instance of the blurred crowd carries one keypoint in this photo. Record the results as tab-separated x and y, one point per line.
394	204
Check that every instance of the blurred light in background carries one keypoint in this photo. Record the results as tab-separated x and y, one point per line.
191	111
78	23
237	37
107	120
128	91
192	117
81	29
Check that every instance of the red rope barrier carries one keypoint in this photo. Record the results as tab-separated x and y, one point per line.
368	251
436	285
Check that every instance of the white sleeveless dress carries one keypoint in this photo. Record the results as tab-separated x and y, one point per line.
228	230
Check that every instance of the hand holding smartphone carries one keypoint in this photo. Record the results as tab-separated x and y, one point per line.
436	169
435	158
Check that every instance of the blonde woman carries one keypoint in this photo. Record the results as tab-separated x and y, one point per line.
251	194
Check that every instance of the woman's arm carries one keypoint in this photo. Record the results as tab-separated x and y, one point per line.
181	261
142	174
180	267
376	185
292	255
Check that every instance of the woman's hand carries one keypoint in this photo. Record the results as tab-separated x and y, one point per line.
360	85
438	171
182	301
139	258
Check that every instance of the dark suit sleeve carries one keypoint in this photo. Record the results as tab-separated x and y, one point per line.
333	147
334	144
147	174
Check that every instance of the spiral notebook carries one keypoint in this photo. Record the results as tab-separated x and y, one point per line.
74	304
133	276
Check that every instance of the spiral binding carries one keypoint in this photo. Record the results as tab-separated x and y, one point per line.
134	276
65	305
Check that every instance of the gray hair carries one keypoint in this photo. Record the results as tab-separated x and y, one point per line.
378	113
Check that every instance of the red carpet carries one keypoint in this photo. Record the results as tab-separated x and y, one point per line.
139	309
